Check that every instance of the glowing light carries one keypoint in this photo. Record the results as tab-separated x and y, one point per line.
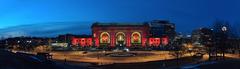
165	40
136	37
104	37
224	28
154	41
82	41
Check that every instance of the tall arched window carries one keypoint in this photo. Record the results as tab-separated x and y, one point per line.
136	37
120	37
104	37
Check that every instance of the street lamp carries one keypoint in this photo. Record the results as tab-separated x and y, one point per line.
190	47
224	28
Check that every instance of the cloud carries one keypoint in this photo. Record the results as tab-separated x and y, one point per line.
50	29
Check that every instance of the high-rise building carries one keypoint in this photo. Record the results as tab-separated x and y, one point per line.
161	31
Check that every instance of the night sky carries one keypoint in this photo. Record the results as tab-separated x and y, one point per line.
186	14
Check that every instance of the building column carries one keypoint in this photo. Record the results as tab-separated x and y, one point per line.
128	35
143	34
112	39
96	39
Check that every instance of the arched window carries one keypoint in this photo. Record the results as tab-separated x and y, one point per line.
136	37
104	37
120	37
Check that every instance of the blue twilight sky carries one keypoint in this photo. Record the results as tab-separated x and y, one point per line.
186	14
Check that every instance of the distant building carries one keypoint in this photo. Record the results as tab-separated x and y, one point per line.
159	28
202	36
196	37
66	38
27	42
161	32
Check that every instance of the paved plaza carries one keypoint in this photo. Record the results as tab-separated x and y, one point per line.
101	57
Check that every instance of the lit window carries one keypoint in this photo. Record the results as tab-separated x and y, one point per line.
104	37
136	37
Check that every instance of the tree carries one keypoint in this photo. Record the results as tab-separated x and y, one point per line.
222	32
179	50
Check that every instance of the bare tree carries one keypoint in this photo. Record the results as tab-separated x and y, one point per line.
222	33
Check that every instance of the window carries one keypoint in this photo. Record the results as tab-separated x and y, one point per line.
104	37
136	37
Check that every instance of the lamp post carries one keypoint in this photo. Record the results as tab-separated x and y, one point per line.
224	30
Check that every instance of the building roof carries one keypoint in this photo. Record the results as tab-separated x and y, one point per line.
76	36
158	23
114	24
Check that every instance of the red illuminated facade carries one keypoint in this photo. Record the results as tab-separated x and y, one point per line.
130	35
154	41
82	40
113	34
157	41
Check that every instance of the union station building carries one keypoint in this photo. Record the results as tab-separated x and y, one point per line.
155	33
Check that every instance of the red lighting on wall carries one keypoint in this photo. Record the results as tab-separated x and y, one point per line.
96	42
132	36
165	40
135	38
89	42
154	41
144	42
82	42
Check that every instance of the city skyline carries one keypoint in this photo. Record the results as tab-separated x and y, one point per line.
193	14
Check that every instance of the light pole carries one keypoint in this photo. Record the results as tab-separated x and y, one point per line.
224	30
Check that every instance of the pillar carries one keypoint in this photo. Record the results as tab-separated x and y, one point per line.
112	39
128	35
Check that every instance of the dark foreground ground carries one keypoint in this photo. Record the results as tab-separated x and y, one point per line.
183	63
228	64
170	64
10	60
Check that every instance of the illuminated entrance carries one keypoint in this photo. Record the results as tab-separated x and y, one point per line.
120	40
